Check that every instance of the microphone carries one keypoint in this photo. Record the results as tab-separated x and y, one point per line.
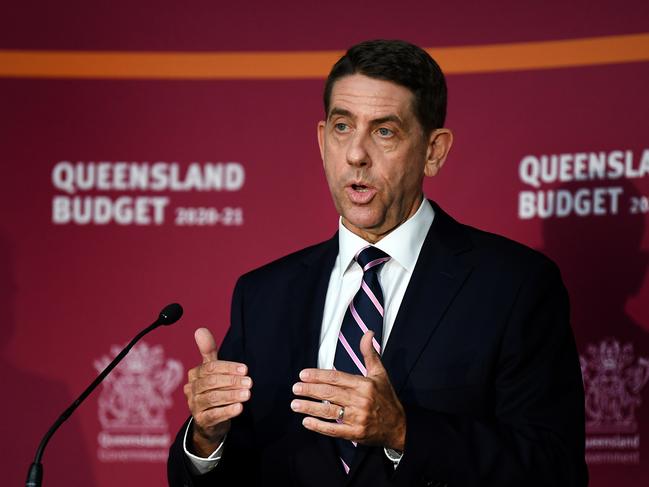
168	316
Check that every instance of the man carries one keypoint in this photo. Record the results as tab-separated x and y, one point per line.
407	350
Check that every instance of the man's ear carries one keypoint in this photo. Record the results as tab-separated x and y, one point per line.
321	133
439	145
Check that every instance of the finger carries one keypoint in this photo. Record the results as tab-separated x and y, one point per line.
369	348
319	409
323	392
337	430
213	416
330	376
218	367
206	344
217	398
224	382
221	367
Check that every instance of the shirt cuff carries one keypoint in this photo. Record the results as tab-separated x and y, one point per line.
200	465
394	456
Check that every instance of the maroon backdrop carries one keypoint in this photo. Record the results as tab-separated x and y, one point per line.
226	176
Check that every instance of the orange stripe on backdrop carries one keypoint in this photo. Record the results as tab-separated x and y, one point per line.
314	64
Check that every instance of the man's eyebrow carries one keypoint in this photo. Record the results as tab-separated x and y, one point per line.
387	118
339	111
377	121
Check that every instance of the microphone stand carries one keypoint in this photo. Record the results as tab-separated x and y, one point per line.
169	315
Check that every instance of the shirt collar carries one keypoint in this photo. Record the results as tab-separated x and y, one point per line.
402	244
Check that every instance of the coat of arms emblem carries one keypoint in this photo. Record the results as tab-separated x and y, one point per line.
137	393
613	380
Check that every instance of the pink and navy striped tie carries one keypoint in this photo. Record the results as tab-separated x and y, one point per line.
364	313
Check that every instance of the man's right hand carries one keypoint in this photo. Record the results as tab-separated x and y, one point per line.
215	391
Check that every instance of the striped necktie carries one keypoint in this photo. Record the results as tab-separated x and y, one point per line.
364	313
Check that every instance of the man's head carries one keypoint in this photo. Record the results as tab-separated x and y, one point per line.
402	63
385	104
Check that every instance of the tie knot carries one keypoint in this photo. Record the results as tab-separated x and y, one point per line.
371	257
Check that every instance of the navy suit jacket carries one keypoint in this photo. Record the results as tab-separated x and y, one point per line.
481	356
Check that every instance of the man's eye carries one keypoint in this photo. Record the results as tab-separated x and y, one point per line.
384	132
341	127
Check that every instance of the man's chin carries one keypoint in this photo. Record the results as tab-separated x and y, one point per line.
364	223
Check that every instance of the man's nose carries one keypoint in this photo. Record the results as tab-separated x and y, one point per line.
357	153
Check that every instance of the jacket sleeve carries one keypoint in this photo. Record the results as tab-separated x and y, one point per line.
535	436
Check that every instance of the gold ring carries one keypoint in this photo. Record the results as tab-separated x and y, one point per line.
341	415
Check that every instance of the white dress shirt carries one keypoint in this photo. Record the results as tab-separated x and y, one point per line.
403	245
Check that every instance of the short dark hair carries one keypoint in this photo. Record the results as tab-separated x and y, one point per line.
402	63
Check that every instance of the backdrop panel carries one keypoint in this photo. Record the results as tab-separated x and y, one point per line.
121	195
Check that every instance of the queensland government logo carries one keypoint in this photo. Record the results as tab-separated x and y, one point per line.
613	380
133	403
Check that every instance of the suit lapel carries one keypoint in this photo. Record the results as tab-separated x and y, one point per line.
309	294
437	278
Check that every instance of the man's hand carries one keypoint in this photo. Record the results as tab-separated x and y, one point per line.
373	414
215	391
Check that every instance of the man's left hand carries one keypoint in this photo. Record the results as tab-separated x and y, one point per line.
372	415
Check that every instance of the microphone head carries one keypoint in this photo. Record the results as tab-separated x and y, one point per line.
170	314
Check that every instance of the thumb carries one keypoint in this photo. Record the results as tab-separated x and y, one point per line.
371	357
206	344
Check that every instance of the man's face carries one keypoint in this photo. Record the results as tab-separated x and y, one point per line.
375	154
